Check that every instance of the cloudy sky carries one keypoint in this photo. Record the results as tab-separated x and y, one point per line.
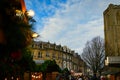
69	22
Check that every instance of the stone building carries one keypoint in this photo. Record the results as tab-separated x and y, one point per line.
112	29
64	57
112	39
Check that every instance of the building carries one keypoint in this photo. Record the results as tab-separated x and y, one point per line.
112	29
64	57
112	39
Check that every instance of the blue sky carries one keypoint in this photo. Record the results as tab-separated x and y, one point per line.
69	22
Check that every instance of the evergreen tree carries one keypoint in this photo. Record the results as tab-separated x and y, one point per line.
16	31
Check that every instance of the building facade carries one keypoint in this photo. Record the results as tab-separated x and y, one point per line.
64	57
112	29
112	39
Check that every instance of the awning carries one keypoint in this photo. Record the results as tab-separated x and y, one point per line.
39	61
77	74
110	72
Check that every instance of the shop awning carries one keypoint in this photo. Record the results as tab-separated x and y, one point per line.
110	72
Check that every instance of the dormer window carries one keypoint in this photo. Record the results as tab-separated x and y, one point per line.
32	45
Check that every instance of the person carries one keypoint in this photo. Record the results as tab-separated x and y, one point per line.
102	78
72	78
80	78
94	78
57	77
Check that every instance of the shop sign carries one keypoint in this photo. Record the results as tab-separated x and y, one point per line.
112	60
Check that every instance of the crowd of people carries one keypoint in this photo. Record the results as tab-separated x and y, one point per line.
80	77
71	77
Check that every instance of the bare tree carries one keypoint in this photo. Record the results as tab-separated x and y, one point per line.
94	54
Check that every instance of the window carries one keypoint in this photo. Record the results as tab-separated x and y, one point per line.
64	64
40	46
53	56
32	54
67	56
68	65
32	45
39	55
118	17
64	56
47	54
59	56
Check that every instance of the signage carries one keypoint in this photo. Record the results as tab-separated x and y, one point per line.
112	60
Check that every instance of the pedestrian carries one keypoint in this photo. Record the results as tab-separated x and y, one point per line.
80	78
94	78
57	77
72	78
102	78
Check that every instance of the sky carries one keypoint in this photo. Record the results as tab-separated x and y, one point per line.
69	23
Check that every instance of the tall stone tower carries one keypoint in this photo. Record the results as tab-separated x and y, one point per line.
112	30
112	40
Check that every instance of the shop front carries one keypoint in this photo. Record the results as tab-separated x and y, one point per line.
113	67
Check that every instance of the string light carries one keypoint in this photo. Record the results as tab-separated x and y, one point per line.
30	13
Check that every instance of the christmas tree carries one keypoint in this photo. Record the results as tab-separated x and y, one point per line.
15	36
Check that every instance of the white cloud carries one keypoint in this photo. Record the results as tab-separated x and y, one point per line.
75	23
